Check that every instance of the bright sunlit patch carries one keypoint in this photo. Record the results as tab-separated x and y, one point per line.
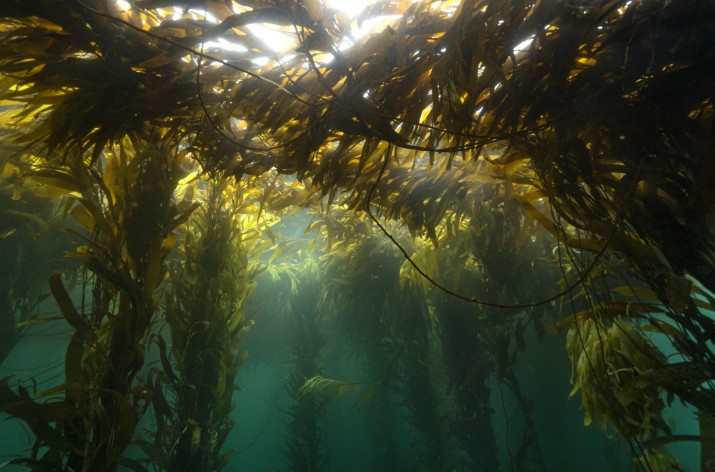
123	6
373	24
260	61
199	14
622	10
277	40
323	58
352	8
225	45
522	46
238	124
281	41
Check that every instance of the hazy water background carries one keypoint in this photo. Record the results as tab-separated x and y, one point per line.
348	442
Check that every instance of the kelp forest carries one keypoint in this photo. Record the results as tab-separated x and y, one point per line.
319	235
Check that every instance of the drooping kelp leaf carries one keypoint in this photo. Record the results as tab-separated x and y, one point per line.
167	368
605	310
122	431
67	306
426	259
38	416
41	224
627	404
687	294
545	221
44	319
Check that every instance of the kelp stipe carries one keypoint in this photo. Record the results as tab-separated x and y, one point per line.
388	329
125	203
304	439
207	290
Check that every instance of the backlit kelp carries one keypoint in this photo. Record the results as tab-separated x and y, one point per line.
456	128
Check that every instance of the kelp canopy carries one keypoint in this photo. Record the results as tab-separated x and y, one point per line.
470	122
604	108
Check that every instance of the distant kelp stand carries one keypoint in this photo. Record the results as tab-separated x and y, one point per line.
500	254
305	431
387	327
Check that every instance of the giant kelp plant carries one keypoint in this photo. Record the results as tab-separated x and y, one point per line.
389	328
469	123
476	347
305	434
204	312
124	247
